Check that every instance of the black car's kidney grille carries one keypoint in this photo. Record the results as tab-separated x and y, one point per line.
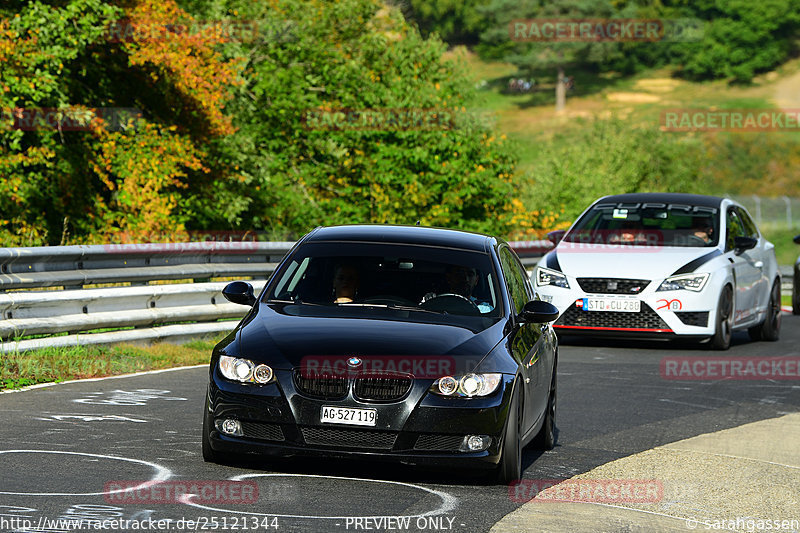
258	430
439	443
381	388
693	318
646	318
349	438
320	386
613	285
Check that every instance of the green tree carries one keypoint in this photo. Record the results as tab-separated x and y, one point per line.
356	55
505	37
571	172
454	21
741	39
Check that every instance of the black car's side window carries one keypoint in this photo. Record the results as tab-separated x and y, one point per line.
515	279
733	229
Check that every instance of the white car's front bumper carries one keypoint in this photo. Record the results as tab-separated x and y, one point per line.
664	313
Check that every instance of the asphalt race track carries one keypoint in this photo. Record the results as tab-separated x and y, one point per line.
62	447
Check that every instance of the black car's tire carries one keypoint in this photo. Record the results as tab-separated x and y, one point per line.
796	293
209	455
510	467
724	325
770	329
546	438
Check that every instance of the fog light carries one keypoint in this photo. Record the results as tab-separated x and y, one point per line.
230	426
475	443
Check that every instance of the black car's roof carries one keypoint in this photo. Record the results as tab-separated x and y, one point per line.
403	235
663	197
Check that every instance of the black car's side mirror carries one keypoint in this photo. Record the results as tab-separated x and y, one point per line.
555	236
239	292
797	239
744	243
539	312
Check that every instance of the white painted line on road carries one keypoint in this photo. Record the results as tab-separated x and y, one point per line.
449	502
737	457
86	380
162	474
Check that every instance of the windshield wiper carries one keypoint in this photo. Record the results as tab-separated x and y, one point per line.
393	306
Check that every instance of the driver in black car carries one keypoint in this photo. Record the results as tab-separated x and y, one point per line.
461	280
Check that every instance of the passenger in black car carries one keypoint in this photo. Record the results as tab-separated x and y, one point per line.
345	283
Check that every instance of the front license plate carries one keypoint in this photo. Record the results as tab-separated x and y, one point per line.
620	305
347	415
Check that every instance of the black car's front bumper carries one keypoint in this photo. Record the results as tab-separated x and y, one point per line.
421	429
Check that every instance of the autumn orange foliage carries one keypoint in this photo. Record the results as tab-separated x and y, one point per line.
188	59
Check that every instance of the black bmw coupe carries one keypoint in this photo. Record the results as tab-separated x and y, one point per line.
418	345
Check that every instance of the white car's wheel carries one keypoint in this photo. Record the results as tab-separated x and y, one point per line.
722	337
770	329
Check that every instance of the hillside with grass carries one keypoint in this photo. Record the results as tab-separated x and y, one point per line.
610	138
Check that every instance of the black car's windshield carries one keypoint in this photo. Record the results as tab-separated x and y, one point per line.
370	276
651	224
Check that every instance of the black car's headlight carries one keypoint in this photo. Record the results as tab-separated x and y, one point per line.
689	282
467	386
245	370
545	276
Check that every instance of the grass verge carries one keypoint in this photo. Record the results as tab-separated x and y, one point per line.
61	364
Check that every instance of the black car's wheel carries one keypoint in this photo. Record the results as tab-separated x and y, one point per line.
722	337
796	293
546	438
510	467
770	329
209	455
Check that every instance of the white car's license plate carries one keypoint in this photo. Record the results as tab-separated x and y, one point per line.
347	415
620	305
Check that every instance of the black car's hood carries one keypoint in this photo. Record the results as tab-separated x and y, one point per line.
284	336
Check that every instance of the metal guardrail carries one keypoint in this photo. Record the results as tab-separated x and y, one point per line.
47	291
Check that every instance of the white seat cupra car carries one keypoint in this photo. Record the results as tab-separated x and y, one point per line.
663	265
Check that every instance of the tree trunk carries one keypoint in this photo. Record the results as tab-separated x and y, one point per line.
561	90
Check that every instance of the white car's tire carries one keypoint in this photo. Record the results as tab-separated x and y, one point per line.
724	325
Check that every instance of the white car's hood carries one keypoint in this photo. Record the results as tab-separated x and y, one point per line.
616	261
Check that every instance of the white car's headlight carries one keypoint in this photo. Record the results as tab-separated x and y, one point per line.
545	276
689	282
467	386
245	370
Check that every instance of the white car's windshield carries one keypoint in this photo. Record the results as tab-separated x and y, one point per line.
651	224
